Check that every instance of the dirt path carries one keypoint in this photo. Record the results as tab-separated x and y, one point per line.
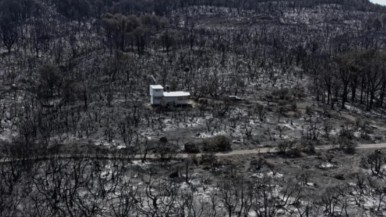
274	150
255	151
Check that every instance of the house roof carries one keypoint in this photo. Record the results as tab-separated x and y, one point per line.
176	94
156	87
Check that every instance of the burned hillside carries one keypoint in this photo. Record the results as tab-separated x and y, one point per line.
273	86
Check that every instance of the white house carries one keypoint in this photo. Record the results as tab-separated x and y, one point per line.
158	96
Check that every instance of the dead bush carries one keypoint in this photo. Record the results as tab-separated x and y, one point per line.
298	91
258	164
289	149
208	160
191	148
217	144
308	146
345	141
282	94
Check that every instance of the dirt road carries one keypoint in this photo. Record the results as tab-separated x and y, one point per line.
183	156
274	150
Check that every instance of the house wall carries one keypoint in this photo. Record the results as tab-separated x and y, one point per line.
169	100
156	100
156	92
156	96
176	100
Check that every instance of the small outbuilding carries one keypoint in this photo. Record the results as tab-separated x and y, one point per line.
159	97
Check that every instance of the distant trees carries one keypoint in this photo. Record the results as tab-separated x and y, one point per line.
128	31
50	81
9	22
41	37
74	9
117	28
9	34
167	40
359	74
13	14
